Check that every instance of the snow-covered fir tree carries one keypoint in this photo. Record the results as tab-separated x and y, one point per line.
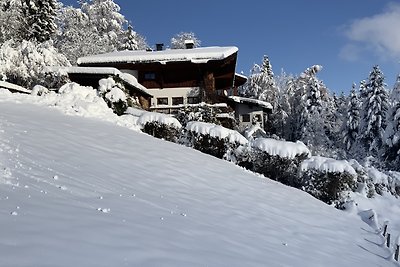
374	112
392	133
261	83
131	40
178	40
363	91
39	17
312	108
352	126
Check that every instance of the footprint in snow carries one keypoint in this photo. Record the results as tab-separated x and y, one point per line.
104	210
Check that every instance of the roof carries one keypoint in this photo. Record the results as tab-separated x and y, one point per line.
126	77
194	55
13	87
240	79
246	100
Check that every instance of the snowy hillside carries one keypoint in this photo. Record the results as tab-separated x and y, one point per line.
84	192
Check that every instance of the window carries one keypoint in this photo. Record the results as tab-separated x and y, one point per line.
149	76
246	118
162	101
177	101
193	100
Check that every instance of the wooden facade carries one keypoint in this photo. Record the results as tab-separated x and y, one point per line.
211	76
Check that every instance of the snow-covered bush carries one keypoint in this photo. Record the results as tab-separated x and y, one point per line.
39	90
23	62
373	182
114	94
212	139
278	160
328	179
201	112
160	125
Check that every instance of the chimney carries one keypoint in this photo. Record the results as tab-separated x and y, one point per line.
159	47
189	44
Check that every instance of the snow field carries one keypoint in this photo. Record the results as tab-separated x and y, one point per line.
88	193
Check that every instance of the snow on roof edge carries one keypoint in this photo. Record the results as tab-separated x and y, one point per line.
196	55
239	99
15	87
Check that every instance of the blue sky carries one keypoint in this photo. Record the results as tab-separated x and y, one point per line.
346	37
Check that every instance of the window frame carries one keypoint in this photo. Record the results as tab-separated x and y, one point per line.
179	99
247	116
195	98
162	99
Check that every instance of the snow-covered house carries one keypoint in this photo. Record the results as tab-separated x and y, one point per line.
249	111
174	77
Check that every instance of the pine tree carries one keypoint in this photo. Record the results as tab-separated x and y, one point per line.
392	133
352	126
40	18
374	108
266	80
132	40
261	83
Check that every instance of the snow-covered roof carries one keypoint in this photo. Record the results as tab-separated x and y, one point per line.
280	148
195	55
239	99
241	75
327	165
14	87
126	77
216	131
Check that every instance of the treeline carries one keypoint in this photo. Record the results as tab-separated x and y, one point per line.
364	124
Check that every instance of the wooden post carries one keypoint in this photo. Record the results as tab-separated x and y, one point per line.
396	254
388	240
385	228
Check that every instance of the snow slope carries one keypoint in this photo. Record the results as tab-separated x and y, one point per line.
79	191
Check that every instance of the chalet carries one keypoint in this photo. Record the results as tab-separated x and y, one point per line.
166	80
249	111
173	77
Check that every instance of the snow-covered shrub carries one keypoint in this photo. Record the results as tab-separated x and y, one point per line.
201	112
114	94
160	125
39	90
328	179
23	62
373	182
278	160
213	139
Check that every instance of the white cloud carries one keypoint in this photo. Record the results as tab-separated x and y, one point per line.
379	34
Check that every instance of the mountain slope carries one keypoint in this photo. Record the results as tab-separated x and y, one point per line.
83	192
